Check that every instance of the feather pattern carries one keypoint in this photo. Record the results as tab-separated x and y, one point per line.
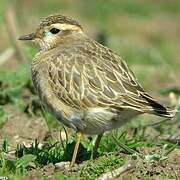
83	77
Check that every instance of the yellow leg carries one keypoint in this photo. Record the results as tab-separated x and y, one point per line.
97	145
78	138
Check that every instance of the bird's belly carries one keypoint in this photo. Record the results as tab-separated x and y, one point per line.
99	120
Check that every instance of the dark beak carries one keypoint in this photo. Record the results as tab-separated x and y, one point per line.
30	36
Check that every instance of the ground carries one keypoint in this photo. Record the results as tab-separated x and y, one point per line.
33	145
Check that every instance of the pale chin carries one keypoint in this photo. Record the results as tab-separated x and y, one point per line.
46	44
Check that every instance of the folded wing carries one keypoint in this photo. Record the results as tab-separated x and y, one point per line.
94	76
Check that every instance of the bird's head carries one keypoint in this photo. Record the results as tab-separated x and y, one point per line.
52	31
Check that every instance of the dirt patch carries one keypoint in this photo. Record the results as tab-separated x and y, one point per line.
22	129
158	169
33	174
143	169
48	170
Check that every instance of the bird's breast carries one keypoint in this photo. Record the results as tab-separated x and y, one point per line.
50	100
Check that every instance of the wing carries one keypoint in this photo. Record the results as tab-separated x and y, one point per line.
91	75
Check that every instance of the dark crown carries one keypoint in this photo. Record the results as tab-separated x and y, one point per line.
52	19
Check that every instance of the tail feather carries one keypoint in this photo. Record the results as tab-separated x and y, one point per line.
159	109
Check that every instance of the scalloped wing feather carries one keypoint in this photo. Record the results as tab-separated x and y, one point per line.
91	75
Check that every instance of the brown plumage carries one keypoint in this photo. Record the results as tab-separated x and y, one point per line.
87	86
58	19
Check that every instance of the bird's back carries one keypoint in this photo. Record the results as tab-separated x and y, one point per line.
84	74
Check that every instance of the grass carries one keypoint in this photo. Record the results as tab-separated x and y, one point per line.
111	154
146	35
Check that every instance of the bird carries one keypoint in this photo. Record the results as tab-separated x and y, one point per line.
88	87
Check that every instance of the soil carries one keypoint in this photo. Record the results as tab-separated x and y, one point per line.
19	128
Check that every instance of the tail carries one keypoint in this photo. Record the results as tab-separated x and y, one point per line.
159	109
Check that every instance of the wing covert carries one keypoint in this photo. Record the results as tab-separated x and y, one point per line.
91	77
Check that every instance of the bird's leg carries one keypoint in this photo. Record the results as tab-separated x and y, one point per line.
97	145
78	138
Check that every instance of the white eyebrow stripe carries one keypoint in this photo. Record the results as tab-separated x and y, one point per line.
67	27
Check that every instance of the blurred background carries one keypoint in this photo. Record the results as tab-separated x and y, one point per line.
145	33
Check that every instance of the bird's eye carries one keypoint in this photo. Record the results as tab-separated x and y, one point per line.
54	30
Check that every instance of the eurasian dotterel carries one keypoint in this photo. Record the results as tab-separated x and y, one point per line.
84	84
